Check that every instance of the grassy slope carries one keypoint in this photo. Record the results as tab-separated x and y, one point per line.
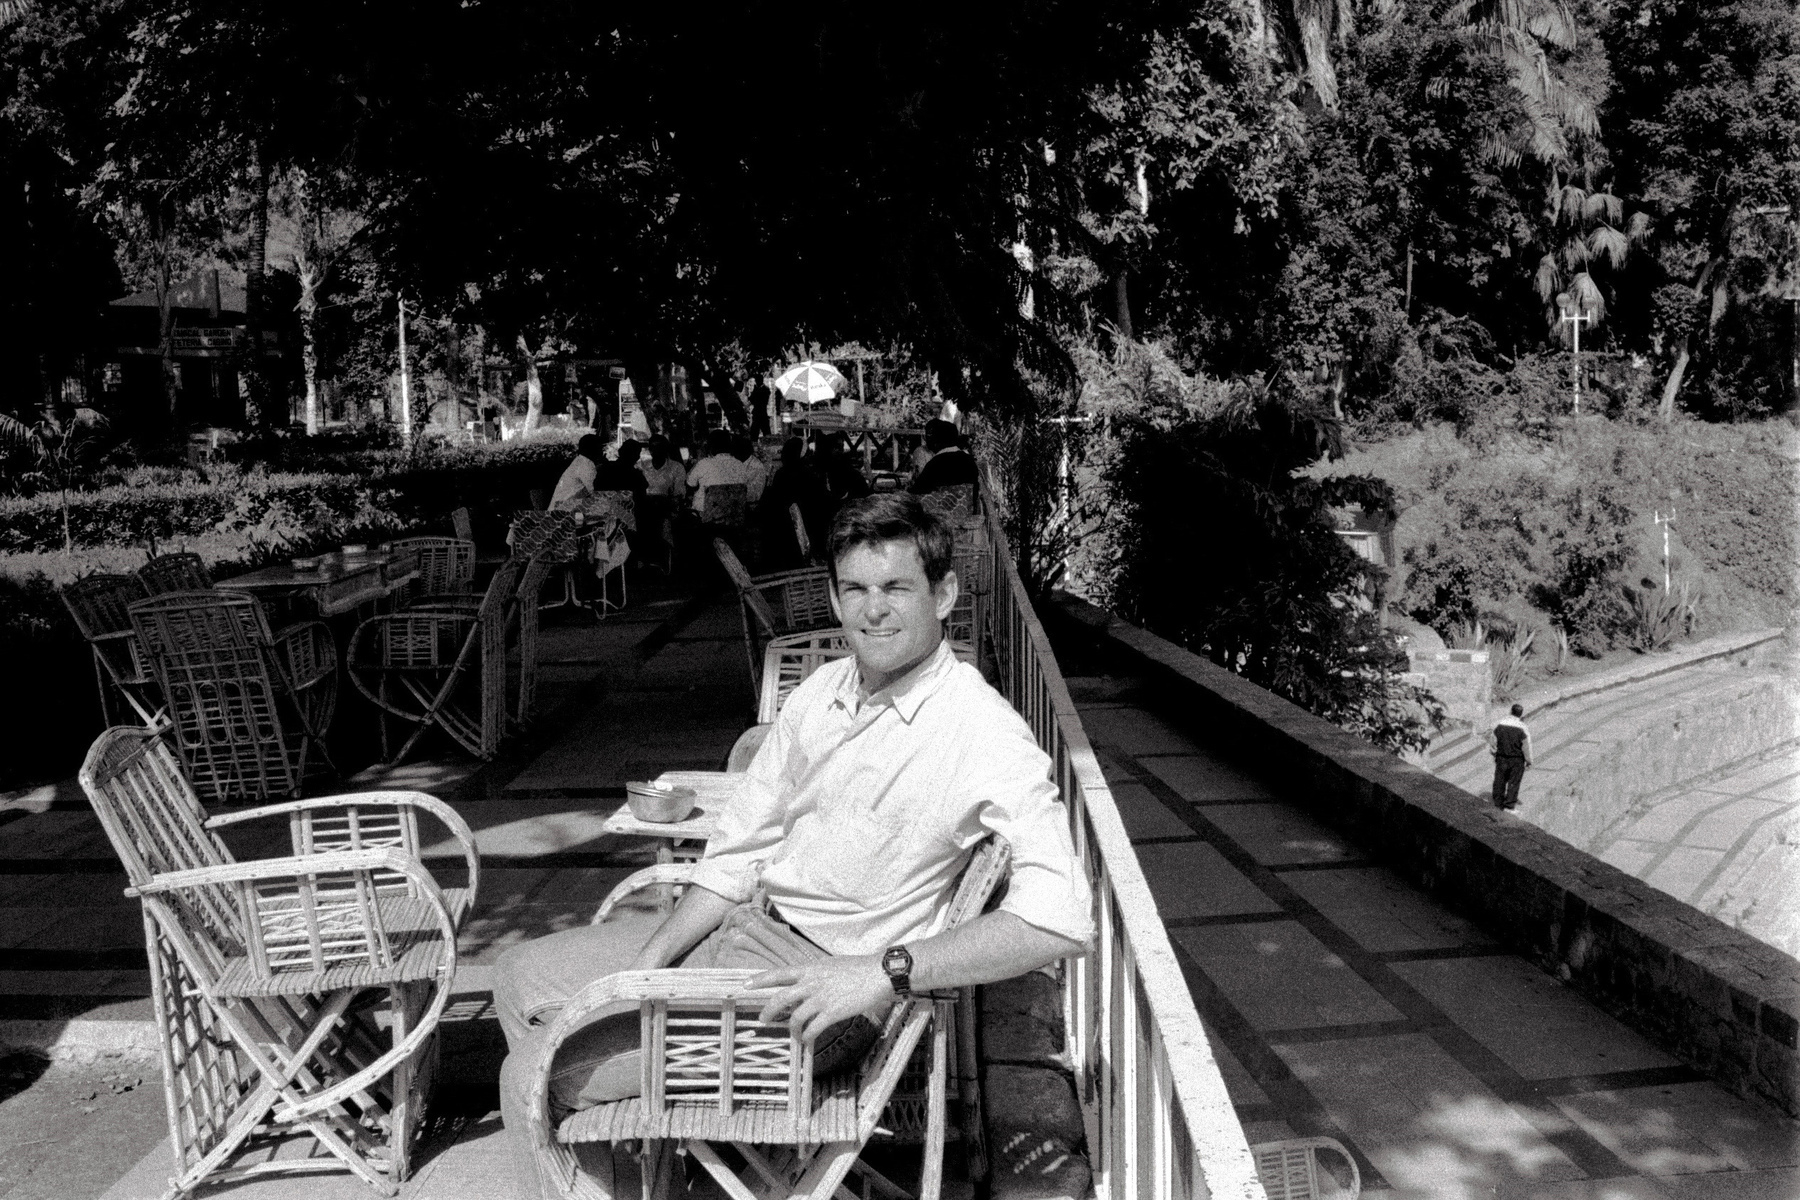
1733	488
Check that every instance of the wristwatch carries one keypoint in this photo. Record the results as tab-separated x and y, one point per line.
897	961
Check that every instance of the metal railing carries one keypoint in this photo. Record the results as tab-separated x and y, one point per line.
1160	1125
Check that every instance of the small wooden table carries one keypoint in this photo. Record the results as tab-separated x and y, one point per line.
713	790
342	583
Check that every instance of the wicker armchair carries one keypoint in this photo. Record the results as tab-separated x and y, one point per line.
99	604
296	997
715	1073
446	569
1289	1170
243	701
773	606
173	573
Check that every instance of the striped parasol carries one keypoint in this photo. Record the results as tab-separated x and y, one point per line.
809	383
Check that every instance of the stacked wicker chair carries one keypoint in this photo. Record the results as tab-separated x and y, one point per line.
247	708
716	1074
99	604
295	997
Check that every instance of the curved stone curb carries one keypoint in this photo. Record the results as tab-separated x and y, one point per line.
1648	667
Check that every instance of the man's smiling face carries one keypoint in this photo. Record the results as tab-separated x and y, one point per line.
892	615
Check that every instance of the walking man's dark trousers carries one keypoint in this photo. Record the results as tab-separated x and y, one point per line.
1509	770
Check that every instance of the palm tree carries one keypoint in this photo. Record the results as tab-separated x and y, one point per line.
59	444
1591	233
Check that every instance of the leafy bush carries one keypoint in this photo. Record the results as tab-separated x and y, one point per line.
1210	539
1658	617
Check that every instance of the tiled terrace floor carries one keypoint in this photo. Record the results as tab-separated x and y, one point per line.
1343	1002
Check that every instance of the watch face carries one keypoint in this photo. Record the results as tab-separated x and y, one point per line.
897	961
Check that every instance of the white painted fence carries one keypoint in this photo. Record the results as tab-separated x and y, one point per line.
1160	1125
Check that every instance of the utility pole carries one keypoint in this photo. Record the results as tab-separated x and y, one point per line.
1665	522
405	381
1576	318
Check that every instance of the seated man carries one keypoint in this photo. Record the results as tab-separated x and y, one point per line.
577	481
834	866
949	465
719	466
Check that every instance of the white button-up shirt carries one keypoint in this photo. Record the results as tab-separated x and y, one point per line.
857	815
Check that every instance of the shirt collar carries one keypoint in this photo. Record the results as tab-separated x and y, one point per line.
906	694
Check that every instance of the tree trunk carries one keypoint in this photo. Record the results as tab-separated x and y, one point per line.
1122	302
1667	410
255	277
165	324
534	388
309	349
731	404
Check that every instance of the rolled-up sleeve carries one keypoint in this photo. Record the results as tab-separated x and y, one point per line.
752	825
1010	776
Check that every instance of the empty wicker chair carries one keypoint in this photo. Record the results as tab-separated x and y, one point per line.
242	731
420	665
99	604
776	605
296	997
173	573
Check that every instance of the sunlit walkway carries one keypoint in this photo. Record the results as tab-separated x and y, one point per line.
1343	1002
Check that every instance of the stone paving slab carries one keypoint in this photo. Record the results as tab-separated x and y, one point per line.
1278	835
1204	780
1537	1026
1282	977
1373	906
1192	880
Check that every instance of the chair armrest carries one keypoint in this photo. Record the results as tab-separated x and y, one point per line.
335	863
782	578
660	875
449	817
715	786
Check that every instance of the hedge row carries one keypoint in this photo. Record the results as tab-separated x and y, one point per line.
415	488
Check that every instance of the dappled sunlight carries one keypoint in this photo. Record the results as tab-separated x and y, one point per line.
1470	1146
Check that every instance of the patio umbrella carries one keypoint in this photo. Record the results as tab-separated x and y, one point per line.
809	383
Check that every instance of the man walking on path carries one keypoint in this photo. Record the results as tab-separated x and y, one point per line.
1511	746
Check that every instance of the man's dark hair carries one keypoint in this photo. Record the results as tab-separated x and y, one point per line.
629	451
718	441
1518	710
940	435
591	446
891	517
741	449
792	451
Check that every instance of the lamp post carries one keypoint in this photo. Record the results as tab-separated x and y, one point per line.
1577	317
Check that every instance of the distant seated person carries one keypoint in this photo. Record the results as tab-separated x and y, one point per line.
719	466
663	473
576	486
949	465
620	473
756	477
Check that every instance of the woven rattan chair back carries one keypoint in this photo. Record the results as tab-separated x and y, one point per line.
173	573
790	661
1289	1170
99	605
464	524
773	606
951	502
725	504
210	653
546	541
446	565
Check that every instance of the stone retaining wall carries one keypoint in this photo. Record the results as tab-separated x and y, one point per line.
1719	999
1587	791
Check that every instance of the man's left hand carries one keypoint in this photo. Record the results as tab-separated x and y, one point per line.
814	997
